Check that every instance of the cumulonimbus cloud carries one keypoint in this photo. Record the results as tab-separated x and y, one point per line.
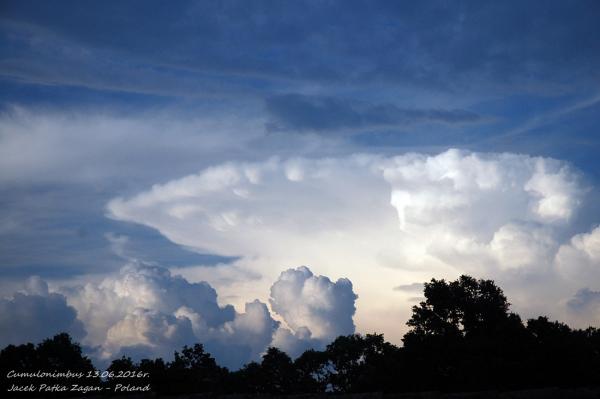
384	221
146	311
314	303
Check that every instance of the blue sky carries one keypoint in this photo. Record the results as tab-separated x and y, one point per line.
102	101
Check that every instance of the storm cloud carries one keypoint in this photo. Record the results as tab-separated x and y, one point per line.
416	213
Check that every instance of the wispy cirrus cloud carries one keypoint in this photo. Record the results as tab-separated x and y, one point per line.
259	45
295	112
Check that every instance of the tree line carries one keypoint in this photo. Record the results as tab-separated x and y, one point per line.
462	337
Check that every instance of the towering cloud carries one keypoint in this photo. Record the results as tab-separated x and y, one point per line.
444	202
316	309
144	310
384	221
314	303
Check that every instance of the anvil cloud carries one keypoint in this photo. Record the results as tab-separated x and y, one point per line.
383	220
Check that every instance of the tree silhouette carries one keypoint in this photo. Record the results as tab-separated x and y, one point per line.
194	370
158	374
61	353
345	355
312	372
248	379
55	355
463	335
278	372
275	374
458	308
362	363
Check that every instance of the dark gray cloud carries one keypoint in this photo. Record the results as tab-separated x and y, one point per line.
584	299
298	112
36	314
61	232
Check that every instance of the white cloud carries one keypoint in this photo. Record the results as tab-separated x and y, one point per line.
523	246
98	147
555	189
148	332
295	343
457	189
245	338
381	221
92	147
579	260
145	311
141	286
146	308
315	309
317	305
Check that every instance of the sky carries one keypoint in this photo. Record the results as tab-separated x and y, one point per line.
278	173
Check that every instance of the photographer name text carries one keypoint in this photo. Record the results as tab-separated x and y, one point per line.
78	388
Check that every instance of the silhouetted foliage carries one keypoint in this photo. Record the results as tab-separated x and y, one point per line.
248	379
459	308
362	364
194	370
123	371
462	337
58	354
157	371
312	372
278	371
275	374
